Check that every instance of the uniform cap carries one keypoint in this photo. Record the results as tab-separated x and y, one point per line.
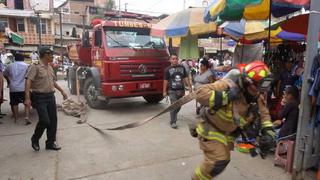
45	50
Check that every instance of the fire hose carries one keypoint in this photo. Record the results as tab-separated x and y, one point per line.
79	109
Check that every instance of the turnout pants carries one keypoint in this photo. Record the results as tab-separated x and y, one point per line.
216	159
45	104
174	96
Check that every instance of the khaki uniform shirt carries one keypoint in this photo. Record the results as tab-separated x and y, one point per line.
42	78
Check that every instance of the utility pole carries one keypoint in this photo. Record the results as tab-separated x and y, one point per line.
39	29
119	6
305	153
125	6
61	45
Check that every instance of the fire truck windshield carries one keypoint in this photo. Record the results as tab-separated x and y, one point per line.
132	37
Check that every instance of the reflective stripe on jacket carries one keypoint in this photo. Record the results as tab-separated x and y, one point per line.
200	175
213	135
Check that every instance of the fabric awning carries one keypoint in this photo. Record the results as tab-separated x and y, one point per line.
22	48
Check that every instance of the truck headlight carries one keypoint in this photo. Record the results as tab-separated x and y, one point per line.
121	87
114	88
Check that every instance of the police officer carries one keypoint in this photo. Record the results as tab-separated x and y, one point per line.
40	82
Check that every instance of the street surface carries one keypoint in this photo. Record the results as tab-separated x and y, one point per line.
151	152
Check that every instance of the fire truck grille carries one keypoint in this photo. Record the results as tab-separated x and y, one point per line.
141	70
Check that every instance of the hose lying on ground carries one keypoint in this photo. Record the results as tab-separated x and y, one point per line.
76	109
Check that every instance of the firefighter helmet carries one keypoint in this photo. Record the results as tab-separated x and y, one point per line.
257	73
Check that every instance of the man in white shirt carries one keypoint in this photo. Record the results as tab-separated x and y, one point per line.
34	57
16	73
2	56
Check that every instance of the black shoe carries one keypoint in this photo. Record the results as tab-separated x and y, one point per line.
35	144
52	147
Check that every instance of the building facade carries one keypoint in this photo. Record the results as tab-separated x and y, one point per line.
20	19
73	16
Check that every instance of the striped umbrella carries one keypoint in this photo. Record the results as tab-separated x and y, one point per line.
185	22
238	30
231	10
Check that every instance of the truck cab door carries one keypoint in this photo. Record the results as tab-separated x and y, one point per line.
97	49
97	53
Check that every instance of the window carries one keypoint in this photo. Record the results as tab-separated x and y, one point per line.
43	23
44	26
132	37
18	4
3	21
20	25
97	38
65	10
76	12
67	33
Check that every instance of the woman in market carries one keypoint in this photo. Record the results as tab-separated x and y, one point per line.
204	76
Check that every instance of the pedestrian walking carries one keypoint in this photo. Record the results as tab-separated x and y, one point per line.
15	73
173	85
40	82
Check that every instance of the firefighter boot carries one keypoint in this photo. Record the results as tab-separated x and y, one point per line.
216	159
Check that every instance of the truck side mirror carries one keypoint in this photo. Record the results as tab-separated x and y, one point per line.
85	39
97	38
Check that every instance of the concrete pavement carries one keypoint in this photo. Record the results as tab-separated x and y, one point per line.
151	152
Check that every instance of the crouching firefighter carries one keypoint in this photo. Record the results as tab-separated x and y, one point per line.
228	108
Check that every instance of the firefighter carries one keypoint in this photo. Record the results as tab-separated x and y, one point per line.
230	105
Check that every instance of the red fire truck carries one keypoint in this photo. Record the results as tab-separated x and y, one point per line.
119	60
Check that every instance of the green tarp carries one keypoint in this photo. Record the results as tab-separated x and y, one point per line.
189	47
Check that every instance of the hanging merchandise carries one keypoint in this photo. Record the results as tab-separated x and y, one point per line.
246	53
189	47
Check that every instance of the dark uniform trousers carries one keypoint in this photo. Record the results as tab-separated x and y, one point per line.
45	104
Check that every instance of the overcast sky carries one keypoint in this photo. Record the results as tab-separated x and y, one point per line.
152	7
155	7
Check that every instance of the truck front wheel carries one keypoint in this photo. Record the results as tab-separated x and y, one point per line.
154	98
91	95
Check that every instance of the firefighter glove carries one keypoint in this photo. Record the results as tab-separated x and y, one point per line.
193	130
266	143
269	131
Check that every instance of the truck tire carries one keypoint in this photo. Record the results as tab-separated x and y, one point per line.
72	80
154	98
91	95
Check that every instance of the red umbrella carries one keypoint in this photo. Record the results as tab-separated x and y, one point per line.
296	24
